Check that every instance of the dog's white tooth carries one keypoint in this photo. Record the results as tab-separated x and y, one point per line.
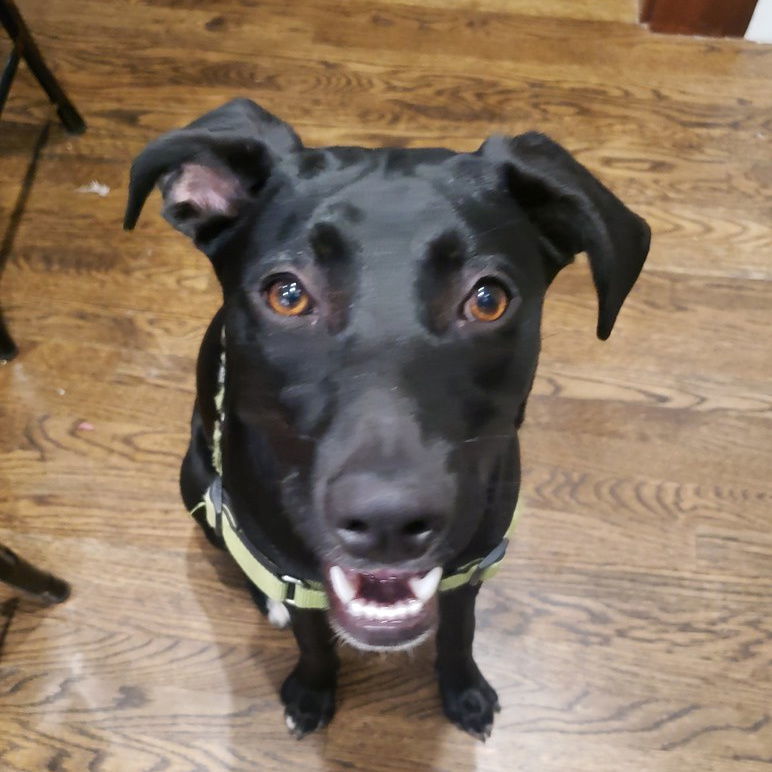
413	607
341	584
370	611
426	586
356	607
394	612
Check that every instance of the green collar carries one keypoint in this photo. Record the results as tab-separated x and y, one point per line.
301	593
306	594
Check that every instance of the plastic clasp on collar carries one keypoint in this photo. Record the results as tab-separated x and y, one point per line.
493	557
215	494
291	583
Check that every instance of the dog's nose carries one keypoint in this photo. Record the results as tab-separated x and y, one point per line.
382	520
386	535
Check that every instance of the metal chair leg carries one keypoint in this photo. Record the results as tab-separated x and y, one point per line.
26	47
9	72
25	577
8	349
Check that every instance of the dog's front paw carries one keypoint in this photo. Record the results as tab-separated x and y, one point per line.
306	708
470	703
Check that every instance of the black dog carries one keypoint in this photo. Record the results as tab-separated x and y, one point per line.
376	344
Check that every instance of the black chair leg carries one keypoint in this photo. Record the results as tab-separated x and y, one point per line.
25	577
25	45
9	72
8	349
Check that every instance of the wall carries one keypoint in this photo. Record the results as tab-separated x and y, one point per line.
760	28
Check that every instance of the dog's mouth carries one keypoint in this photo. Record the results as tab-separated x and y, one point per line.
383	609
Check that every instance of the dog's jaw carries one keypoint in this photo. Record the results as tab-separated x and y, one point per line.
355	643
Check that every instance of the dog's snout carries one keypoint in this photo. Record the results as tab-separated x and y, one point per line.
384	520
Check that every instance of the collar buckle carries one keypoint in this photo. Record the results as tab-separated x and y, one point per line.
291	583
493	557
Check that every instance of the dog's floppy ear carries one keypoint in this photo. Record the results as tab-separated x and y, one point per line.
574	213
211	168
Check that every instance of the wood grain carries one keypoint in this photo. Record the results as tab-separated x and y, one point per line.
630	628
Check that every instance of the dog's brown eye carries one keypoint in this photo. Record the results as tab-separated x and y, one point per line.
487	302
287	297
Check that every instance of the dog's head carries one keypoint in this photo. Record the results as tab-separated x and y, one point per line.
382	310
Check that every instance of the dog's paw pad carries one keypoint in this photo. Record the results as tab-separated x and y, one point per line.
278	615
300	723
472	708
305	709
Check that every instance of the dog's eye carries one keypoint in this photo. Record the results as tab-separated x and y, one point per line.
286	296
487	302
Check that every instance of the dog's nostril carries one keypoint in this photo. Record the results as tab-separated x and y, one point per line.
355	526
417	527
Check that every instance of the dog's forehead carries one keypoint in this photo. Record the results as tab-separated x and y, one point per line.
389	198
373	210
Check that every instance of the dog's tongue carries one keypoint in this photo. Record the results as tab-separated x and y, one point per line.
382	588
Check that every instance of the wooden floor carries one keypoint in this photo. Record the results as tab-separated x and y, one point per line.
631	629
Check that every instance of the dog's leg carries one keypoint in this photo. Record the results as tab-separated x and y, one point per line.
308	693
468	699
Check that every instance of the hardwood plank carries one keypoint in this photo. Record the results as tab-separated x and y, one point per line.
560	678
613	10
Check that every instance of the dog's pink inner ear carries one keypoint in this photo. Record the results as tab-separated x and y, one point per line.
204	189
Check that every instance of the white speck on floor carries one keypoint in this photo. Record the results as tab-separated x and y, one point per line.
94	187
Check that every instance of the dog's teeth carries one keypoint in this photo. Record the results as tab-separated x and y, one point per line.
426	586
341	584
383	613
413	606
422	589
356	608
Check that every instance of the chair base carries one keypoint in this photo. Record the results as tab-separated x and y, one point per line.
8	349
21	575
